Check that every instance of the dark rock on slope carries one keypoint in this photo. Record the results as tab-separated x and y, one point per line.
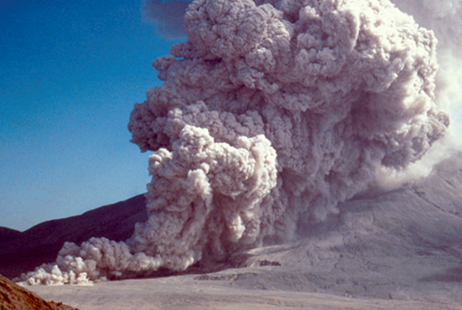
15	297
22	252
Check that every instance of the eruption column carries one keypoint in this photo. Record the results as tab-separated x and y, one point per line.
272	112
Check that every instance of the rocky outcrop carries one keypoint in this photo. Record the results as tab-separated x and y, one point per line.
15	297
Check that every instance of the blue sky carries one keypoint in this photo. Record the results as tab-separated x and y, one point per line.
70	73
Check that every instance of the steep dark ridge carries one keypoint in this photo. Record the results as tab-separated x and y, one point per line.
22	252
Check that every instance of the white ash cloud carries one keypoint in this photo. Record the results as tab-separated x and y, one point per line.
271	112
444	17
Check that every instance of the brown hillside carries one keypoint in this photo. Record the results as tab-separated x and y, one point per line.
15	297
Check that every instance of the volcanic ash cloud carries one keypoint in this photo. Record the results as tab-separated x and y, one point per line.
271	112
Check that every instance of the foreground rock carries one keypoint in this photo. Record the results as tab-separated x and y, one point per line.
22	252
15	297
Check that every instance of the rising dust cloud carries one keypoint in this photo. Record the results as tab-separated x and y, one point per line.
272	112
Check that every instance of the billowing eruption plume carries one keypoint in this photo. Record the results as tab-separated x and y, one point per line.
443	17
270	114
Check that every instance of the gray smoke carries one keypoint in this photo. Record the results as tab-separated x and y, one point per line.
166	16
443	17
271	113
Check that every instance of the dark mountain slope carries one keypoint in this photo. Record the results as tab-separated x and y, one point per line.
7	234
22	252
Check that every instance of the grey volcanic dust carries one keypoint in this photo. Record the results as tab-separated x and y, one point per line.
271	113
